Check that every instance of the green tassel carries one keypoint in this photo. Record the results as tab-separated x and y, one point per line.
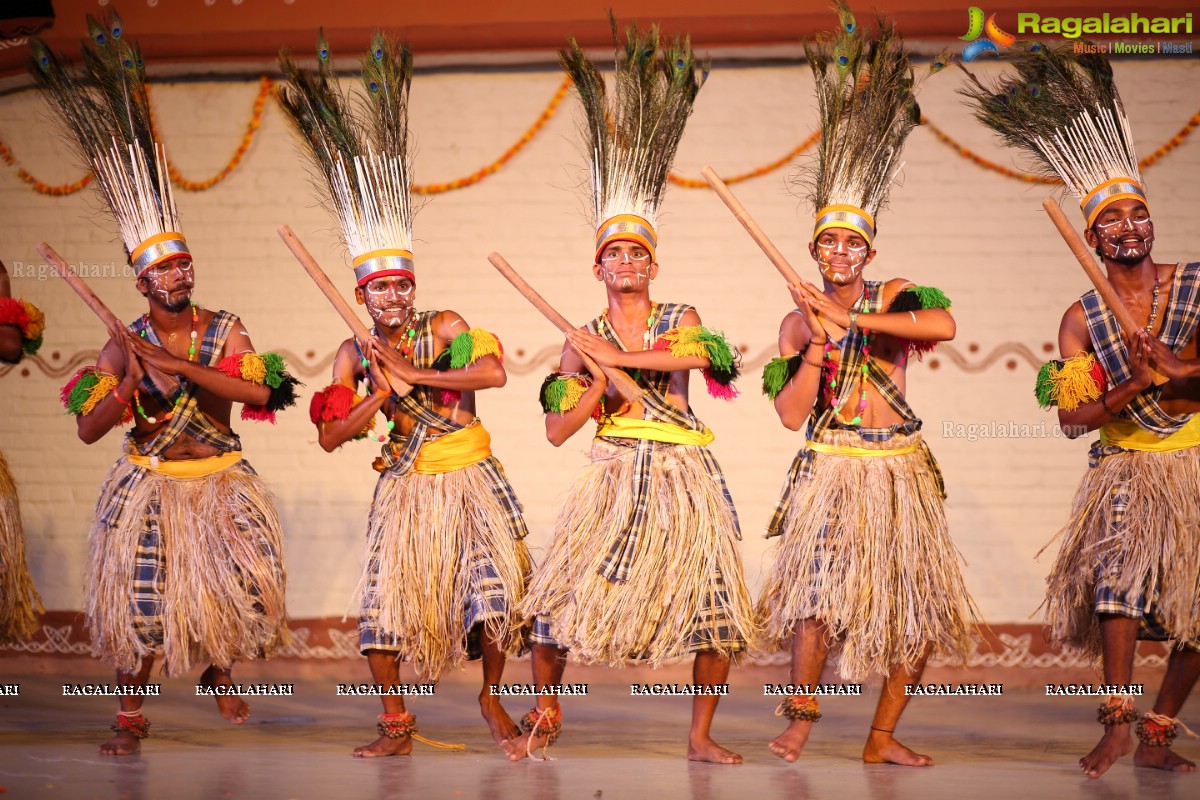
777	373
81	392
31	346
462	349
1043	390
931	296
554	391
276	369
720	354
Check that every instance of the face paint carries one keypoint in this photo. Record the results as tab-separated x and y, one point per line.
171	283
390	300
1126	239
835	254
625	266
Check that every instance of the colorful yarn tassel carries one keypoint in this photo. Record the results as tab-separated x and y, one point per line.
777	373
698	341
470	346
918	298
334	403
86	389
561	393
1071	383
28	318
267	369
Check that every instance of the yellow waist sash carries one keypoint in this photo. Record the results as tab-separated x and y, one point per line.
453	451
626	428
860	452
185	469
1132	436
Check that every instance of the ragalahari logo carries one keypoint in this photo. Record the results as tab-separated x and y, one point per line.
983	37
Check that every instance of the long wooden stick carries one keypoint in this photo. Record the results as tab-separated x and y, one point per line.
1105	289
81	288
333	296
625	385
756	233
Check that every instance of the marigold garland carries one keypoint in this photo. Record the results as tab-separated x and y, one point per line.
266	88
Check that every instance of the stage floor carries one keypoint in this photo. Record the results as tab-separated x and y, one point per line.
1021	744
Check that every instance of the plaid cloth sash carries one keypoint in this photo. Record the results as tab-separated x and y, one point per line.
618	562
187	418
1179	325
850	364
400	452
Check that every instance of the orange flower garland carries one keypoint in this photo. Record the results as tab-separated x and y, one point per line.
266	88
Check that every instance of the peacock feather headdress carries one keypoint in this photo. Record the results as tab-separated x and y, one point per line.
105	114
1062	108
633	131
865	98
359	146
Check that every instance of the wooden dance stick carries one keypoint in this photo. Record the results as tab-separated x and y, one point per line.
1086	260
625	385
756	233
333	296
81	288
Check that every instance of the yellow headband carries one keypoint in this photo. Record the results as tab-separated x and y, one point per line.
626	228
158	248
842	215
1110	192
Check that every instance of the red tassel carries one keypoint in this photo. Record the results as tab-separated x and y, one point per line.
718	390
919	349
12	312
449	397
662	343
231	366
1099	377
331	404
258	414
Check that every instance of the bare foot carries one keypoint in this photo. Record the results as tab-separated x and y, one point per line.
122	744
498	720
705	749
231	706
882	748
788	744
526	744
383	746
1115	743
1161	758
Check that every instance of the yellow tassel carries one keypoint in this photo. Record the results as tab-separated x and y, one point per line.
104	385
370	427
1074	383
574	393
254	368
485	344
685	342
37	321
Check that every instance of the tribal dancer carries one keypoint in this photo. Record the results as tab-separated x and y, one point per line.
186	547
1129	564
21	326
644	562
865	559
445	562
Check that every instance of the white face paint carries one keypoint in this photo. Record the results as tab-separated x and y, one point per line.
389	300
841	258
625	266
1125	238
171	283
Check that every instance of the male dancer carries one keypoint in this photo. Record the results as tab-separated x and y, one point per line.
643	564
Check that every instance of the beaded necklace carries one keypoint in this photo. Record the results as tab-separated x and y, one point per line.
646	337
831	364
405	346
191	357
1153	306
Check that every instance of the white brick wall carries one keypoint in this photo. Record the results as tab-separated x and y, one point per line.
979	236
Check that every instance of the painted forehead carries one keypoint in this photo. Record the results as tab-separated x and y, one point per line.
399	283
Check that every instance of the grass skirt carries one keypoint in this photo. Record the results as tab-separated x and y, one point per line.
189	569
685	593
1134	531
443	556
865	549
19	600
